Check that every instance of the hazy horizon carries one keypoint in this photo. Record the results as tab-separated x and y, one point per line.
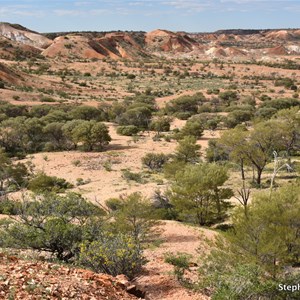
147	15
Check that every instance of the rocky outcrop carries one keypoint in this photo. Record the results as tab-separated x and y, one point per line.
278	50
230	44
20	34
9	76
72	47
168	41
22	279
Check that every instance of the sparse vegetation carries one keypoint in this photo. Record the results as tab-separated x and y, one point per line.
208	145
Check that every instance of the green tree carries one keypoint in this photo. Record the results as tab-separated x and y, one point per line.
12	176
87	113
197	193
261	143
185	106
234	142
289	124
139	116
215	152
254	147
188	150
33	128
192	128
56	116
91	134
135	216
228	97
238	117
13	136
69	129
55	135
249	261
160	124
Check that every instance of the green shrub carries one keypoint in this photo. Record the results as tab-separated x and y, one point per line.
128	130
188	150
185	105
16	97
81	181
259	252
135	215
281	103
228	97
160	124
180	261
286	82
192	128
43	183
130	76
47	99
183	115
155	161
265	112
56	224
128	175
8	207
114	255
88	113
114	203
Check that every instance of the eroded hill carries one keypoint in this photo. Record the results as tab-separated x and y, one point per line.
225	44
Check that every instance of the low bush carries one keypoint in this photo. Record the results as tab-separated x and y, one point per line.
155	161
43	183
128	130
128	175
180	261
114	255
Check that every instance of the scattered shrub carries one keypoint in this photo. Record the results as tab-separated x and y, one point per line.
128	175
128	130
180	261
42	183
155	161
114	255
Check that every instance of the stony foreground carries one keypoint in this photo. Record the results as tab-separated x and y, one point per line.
20	279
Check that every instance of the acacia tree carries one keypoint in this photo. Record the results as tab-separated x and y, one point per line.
234	141
92	134
11	174
249	261
254	147
160	124
188	150
197	193
289	123
55	134
193	128
135	214
262	141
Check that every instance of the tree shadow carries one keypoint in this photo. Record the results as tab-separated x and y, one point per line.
173	238
112	147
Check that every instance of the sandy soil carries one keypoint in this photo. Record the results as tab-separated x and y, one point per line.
122	153
158	279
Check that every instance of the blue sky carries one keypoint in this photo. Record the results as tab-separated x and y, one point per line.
147	15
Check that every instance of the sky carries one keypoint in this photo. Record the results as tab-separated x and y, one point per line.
147	15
